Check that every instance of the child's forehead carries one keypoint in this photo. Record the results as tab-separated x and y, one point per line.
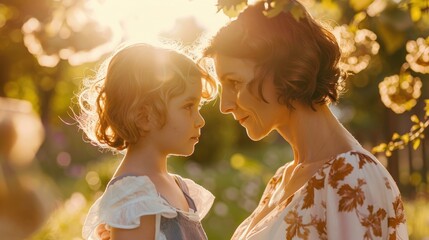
193	88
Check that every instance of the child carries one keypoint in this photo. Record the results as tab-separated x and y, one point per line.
146	104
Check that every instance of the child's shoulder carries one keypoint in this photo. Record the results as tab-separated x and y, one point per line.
130	186
202	197
126	179
124	201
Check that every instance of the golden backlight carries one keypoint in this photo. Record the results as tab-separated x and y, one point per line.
99	26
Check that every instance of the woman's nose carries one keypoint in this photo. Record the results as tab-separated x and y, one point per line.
227	103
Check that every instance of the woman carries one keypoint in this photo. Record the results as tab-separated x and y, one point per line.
280	74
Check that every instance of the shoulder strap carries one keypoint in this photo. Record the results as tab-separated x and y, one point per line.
181	184
185	190
157	225
115	179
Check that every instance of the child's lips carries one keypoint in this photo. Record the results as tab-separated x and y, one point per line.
196	138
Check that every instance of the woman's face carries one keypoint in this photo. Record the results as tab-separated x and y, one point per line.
243	102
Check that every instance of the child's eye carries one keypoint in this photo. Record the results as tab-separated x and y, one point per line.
189	106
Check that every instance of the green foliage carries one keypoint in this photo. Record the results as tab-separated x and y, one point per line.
231	8
414	136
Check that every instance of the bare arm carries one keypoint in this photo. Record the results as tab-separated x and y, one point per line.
146	230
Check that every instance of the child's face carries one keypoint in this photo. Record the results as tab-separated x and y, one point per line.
183	123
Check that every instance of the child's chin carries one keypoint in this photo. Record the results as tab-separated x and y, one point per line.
185	154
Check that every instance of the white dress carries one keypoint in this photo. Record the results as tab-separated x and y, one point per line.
130	197
351	197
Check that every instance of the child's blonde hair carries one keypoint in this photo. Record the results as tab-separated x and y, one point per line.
135	79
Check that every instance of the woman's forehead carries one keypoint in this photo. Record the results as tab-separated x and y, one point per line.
227	66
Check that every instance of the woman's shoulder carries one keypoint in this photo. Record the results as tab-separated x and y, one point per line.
357	167
202	197
355	160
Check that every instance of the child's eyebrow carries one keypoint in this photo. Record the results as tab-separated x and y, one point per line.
192	99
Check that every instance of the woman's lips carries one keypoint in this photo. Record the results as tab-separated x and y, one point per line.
241	121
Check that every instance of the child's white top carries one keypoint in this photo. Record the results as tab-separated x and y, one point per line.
130	197
351	197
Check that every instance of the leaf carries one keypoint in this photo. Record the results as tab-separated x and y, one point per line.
405	138
233	10
415	119
339	171
297	12
359	5
227	4
416	13
427	107
416	143
396	136
380	148
358	18
388	153
276	7
351	198
415	127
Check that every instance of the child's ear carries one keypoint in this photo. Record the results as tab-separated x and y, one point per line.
144	120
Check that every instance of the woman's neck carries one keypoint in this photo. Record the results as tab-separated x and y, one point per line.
315	135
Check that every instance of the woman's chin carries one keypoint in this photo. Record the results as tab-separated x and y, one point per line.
255	136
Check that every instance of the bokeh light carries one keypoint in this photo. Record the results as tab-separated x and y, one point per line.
400	92
357	47
418	55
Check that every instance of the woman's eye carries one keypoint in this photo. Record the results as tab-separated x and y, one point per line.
234	83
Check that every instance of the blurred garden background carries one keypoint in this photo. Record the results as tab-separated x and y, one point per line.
47	47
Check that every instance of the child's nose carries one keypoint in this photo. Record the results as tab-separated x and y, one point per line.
200	122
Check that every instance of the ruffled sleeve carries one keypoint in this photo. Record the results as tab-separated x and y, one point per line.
203	198
123	203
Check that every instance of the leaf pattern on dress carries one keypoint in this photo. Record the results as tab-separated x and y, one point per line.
363	159
387	183
399	217
351	197
271	186
313	183
320	226
341	179
296	226
339	170
372	222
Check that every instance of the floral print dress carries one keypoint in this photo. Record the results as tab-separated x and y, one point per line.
352	196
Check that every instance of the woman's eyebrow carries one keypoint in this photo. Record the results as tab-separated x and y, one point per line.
224	76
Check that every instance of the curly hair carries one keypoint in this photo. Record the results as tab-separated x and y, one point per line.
301	56
136	79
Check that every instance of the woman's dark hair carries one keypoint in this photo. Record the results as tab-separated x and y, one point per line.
300	55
